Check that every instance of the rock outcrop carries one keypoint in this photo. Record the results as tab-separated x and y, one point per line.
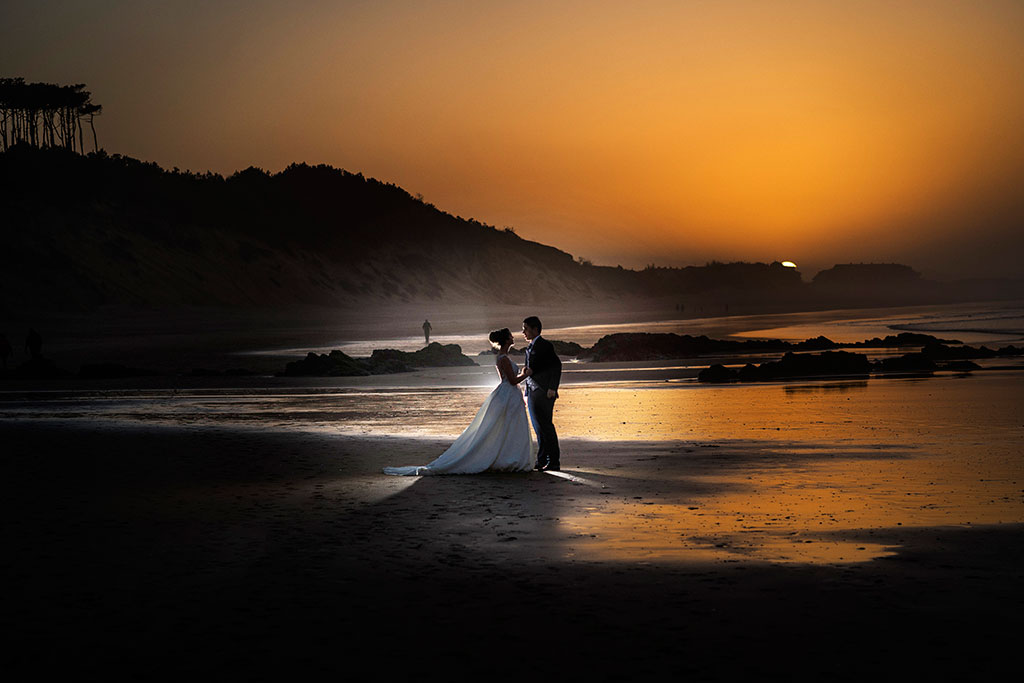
846	363
903	339
645	346
792	365
939	351
381	362
338	364
434	355
910	362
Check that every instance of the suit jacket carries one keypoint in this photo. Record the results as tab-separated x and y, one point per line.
546	366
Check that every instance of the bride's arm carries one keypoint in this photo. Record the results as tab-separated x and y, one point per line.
505	371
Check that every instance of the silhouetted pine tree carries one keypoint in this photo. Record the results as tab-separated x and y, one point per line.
45	114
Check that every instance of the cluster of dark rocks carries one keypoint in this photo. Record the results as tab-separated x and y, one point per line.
434	355
901	339
338	364
634	346
567	348
932	357
935	354
333	364
792	365
939	351
380	362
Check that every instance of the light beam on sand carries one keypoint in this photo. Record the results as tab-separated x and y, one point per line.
382	487
575	479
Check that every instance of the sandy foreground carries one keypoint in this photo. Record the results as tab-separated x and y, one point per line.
149	551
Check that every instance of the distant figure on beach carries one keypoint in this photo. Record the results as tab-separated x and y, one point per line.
426	331
541	392
5	349
498	438
34	344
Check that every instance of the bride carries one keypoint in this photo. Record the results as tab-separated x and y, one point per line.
498	439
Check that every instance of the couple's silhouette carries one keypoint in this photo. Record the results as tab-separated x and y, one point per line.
498	439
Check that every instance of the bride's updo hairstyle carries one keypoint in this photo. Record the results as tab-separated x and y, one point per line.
499	337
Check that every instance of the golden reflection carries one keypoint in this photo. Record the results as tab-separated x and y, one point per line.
801	504
809	473
841	387
679	532
894	411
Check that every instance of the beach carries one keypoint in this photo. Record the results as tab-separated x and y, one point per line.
241	554
821	529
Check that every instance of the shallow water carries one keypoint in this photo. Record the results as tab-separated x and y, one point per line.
971	323
992	323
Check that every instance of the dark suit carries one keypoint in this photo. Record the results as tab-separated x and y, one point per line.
547	373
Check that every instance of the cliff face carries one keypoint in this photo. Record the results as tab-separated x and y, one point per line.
88	231
84	231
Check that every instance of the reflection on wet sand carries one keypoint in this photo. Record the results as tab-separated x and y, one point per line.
785	503
796	472
811	388
790	472
675	532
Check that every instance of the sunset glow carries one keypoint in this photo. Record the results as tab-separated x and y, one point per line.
623	133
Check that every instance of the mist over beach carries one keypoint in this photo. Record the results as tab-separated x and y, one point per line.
775	261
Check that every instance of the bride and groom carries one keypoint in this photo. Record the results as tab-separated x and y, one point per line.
498	438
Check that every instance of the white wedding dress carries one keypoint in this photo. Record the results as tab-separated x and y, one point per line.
497	440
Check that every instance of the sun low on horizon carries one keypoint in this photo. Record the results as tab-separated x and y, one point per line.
625	133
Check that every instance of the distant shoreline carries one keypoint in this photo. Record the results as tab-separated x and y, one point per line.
220	343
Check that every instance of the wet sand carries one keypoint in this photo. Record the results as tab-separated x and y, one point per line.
215	551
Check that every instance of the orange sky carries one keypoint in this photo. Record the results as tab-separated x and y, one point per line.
666	132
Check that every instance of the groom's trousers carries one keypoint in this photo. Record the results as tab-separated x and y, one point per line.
542	413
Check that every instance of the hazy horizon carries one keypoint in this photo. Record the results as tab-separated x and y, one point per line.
666	133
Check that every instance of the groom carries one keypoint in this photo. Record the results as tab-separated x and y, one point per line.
541	393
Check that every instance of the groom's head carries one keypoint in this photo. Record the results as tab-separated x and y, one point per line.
531	327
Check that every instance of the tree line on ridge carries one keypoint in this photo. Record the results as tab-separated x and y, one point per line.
46	114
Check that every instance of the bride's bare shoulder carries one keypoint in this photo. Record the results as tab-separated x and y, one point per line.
504	365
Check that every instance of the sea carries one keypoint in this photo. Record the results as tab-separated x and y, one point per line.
437	401
999	322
